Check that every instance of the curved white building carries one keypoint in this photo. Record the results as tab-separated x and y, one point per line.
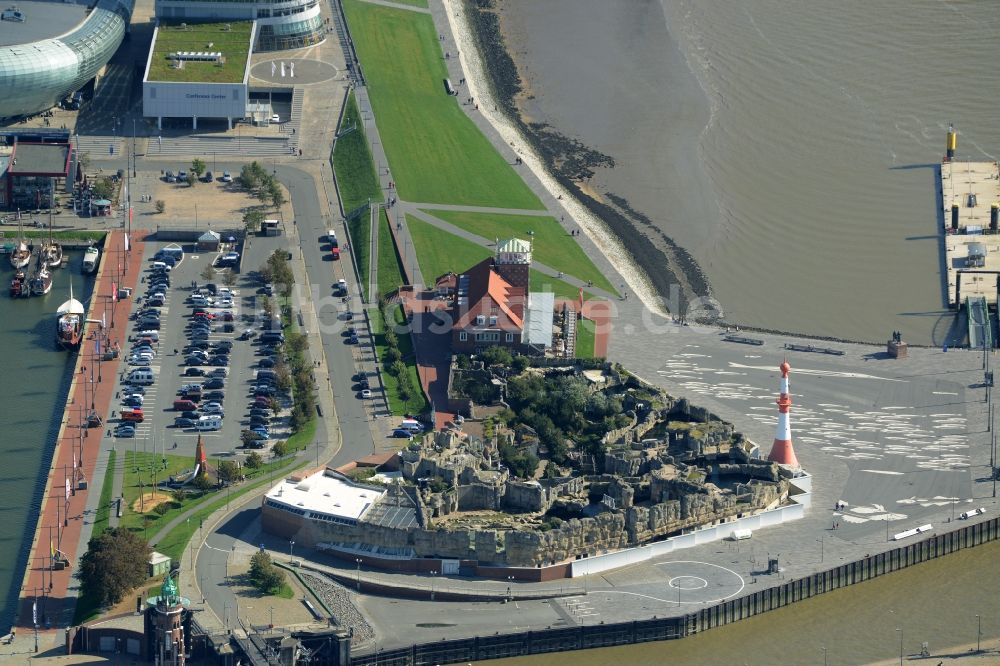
285	24
50	50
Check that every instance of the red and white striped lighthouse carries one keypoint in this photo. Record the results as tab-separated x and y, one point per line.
782	451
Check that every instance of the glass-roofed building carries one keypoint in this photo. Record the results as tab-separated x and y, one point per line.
49	50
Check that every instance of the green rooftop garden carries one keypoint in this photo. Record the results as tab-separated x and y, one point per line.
232	39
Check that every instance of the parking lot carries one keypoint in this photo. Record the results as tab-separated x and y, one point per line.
173	355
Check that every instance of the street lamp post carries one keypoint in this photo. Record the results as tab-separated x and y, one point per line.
979	631
433	573
823	648
291	545
900	645
357	560
271	623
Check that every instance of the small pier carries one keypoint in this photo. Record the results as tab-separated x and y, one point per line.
970	195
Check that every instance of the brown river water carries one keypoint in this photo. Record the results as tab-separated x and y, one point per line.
789	147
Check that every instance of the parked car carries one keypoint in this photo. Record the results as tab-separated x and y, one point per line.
200	314
216	383
212	408
262	431
195	360
191	414
182	422
226	177
149	323
219	361
260	411
266	362
170	177
264	391
125	431
259	421
139	362
215	395
208	177
194	372
225	345
219	372
365	393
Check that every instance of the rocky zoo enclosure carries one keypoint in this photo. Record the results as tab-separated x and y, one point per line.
559	463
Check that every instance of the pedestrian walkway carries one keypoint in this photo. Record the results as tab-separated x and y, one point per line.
246	146
399	5
63	530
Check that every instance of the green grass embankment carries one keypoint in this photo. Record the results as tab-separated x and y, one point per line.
439	252
585	338
390	267
417	402
550	244
436	152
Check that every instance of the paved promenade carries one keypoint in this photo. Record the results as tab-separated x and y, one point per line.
65	524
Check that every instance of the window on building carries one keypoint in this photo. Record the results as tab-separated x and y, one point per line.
463	336
480	320
493	320
510	337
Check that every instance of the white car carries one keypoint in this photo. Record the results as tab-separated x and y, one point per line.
226	177
223	303
139	361
366	393
212	408
276	118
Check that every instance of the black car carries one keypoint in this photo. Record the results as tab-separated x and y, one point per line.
194	360
266	362
218	396
183	422
214	384
266	391
197	344
224	344
212	288
259	421
358	376
259	411
219	361
148	313
198	334
363	383
148	324
129	390
189	415
194	371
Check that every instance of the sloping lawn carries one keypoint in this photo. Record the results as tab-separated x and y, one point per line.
390	269
436	153
551	245
439	252
352	162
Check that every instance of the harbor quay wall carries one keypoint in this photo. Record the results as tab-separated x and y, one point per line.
54	589
609	634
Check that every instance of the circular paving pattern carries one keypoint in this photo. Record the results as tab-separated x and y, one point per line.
297	72
699	582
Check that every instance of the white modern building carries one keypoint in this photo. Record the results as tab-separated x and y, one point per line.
283	24
198	71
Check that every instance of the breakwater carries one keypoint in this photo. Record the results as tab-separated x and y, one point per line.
658	629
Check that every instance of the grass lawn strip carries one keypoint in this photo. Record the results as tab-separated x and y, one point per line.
103	515
418	403
57	235
585	338
390	268
436	152
551	245
360	228
352	162
439	252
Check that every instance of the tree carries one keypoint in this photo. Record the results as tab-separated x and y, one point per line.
496	356
251	175
275	193
104	188
279	448
207	273
198	166
254	460
247	438
161	205
263	574
114	565
191	179
229	278
252	220
227	471
202	482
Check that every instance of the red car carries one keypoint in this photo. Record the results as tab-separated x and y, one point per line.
335	253
204	315
227	315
